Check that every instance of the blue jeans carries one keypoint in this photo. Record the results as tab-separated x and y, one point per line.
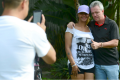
110	72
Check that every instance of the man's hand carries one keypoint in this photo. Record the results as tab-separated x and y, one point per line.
30	19
42	24
95	45
70	25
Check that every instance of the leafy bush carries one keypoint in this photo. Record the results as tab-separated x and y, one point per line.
46	79
60	69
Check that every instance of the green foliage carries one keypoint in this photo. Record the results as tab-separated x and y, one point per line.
60	69
69	3
46	79
110	9
56	37
57	16
57	13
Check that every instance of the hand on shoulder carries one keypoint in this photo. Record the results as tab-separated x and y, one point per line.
70	25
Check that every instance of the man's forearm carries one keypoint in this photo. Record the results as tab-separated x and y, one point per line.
110	44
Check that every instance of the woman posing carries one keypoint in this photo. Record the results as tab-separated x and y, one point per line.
78	47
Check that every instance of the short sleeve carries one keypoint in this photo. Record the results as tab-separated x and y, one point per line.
40	41
114	31
69	30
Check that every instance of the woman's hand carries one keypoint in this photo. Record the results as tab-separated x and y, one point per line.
75	70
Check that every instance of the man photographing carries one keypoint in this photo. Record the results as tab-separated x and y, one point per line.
20	40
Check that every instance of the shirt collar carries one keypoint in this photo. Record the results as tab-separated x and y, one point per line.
101	24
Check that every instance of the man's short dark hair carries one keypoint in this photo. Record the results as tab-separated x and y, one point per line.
11	3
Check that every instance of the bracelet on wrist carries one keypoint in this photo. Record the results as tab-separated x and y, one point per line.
73	65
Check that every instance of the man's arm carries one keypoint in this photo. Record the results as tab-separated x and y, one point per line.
109	44
50	57
114	36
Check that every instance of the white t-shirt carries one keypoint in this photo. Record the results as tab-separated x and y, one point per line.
81	48
19	41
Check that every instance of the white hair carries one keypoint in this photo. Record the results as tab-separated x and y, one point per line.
97	3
